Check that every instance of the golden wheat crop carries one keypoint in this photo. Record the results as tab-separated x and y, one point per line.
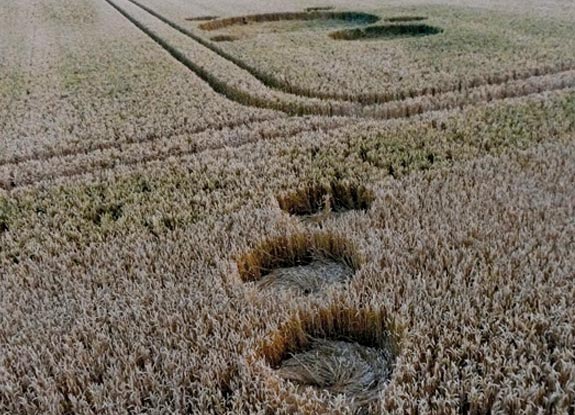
260	219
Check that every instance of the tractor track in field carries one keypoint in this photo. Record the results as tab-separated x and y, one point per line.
514	89
77	158
48	155
113	164
112	161
364	99
320	124
407	111
300	106
16	161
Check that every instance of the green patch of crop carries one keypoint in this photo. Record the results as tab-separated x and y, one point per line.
178	195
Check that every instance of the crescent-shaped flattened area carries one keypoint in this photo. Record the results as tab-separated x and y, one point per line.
349	17
391	31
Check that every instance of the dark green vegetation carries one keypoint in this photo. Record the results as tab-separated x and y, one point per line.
386	32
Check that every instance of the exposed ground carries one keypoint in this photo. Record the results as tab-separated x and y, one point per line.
275	221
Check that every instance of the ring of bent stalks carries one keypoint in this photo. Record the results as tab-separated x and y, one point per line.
305	262
364	99
351	17
336	197
339	348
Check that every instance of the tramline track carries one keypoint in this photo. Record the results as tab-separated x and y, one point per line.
364	99
298	105
113	164
120	156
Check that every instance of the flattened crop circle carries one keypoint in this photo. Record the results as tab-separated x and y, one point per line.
304	263
317	199
351	17
344	351
391	31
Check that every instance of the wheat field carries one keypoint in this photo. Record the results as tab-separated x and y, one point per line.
301	207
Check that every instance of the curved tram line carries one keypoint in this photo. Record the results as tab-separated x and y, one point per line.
569	82
366	99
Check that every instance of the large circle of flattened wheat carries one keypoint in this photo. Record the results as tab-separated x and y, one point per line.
344	351
340	367
358	18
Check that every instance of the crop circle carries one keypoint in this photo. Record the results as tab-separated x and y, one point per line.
340	349
304	263
391	31
349	17
318	199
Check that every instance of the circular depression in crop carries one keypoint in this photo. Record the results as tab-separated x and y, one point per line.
358	18
391	31
342	350
303	263
318	200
